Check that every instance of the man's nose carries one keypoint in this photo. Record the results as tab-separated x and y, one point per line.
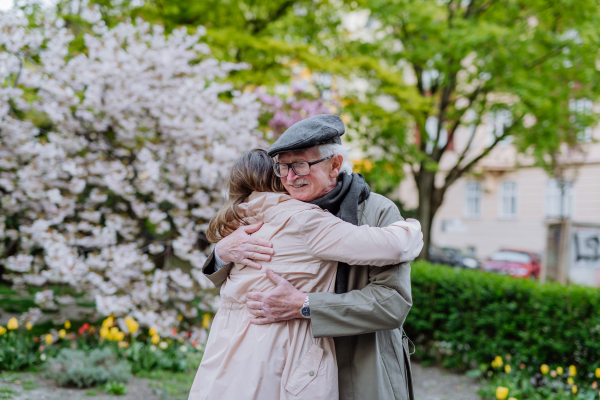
291	176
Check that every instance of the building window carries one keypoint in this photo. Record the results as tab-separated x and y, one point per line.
473	200
508	200
559	202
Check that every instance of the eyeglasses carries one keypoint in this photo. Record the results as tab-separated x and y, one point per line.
300	168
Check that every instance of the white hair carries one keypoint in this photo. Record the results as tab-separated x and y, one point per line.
326	150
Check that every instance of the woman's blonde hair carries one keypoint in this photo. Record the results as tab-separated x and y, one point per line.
252	172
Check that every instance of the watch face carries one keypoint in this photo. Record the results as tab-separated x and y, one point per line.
305	311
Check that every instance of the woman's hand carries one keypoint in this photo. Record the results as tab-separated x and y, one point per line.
241	248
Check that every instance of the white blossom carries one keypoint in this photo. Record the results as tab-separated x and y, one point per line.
126	166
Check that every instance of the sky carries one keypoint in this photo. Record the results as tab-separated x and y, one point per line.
5	4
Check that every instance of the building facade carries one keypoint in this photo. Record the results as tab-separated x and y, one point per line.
507	202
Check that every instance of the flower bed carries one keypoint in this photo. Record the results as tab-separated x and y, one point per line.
143	350
508	380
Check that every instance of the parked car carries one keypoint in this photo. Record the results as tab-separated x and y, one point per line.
517	263
451	256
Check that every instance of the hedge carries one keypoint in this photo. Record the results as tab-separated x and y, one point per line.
465	318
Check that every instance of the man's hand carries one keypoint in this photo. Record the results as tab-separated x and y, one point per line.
241	248
280	304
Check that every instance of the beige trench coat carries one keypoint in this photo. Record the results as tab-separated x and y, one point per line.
285	360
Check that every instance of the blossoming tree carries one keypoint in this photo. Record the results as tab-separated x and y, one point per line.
112	162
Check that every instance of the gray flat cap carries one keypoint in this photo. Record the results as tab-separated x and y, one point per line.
310	132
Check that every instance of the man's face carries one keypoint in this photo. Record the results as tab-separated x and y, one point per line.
321	180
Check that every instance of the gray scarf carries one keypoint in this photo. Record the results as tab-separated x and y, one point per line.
343	201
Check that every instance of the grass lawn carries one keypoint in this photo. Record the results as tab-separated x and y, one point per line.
170	385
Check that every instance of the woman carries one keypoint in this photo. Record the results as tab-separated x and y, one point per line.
283	360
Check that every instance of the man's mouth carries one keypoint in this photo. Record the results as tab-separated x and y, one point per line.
298	183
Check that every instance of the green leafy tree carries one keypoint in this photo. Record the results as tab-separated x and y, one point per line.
531	65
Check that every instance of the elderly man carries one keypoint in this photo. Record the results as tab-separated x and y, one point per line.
369	306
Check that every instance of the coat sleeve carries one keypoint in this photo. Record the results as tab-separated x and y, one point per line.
329	238
382	304
216	277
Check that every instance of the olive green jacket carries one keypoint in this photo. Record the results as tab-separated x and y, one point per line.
366	322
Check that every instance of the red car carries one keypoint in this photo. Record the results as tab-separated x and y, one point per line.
517	263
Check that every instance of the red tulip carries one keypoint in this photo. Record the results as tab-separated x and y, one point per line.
83	328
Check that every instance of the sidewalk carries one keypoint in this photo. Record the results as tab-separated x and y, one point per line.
433	383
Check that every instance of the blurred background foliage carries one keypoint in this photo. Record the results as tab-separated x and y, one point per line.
407	74
466	318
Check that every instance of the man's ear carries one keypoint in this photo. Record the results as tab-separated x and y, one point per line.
336	166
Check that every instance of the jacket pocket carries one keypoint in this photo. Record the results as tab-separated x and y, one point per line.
306	371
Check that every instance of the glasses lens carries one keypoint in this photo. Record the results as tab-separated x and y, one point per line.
301	168
281	170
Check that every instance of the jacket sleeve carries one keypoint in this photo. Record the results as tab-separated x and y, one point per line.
216	277
329	238
382	304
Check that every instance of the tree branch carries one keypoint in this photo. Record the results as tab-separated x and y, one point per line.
456	172
469	9
543	58
419	74
444	103
471	98
262	24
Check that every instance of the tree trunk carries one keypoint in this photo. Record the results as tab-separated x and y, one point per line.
430	200
426	185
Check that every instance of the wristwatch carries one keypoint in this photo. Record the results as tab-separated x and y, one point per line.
305	310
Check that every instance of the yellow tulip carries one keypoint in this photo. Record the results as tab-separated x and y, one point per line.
113	333
570	381
507	369
67	324
62	333
501	392
48	339
12	324
132	325
152	331
119	336
108	322
2	330
597	372
572	370
574	389
29	325
155	339
206	321
104	332
559	370
545	369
